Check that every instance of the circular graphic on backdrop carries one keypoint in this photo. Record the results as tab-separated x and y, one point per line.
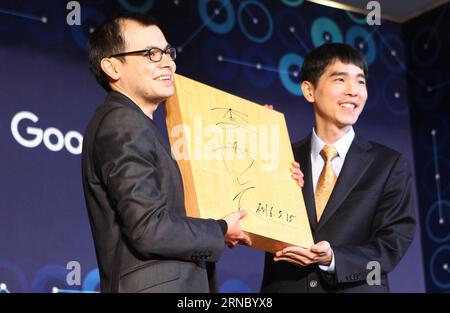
219	56
428	176
263	74
291	30
325	30
395	95
363	41
218	17
358	20
426	46
293	3
92	281
49	276
438	221
437	124
374	95
392	52
90	20
440	267
289	72
255	21
427	94
144	7
13	277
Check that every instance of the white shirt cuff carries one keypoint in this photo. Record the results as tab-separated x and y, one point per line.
330	268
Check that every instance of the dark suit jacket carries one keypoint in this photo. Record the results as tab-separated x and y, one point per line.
369	217
134	194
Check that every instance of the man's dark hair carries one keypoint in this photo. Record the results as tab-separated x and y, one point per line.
317	60
108	40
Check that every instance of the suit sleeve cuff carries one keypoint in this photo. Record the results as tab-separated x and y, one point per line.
223	226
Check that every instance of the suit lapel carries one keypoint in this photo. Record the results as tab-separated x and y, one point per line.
124	100
166	147
161	139
357	161
302	152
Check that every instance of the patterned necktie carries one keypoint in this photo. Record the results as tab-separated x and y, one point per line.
326	180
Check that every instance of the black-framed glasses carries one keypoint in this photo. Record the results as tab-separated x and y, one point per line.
154	54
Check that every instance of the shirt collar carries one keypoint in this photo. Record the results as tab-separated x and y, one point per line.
342	145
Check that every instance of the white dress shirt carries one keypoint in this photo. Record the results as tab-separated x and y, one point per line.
317	164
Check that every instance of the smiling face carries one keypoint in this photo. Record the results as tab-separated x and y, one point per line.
338	96
145	81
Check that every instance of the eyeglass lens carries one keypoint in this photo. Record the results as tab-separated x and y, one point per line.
156	54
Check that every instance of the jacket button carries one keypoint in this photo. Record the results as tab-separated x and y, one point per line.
313	283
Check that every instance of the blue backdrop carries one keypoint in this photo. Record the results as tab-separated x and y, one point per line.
429	82
253	49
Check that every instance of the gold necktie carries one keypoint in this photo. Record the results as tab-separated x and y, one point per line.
326	180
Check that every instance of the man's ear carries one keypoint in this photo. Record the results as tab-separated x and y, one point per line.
308	91
109	66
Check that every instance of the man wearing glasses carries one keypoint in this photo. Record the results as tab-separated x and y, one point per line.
133	188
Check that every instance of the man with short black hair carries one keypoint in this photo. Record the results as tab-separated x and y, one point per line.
357	192
144	241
